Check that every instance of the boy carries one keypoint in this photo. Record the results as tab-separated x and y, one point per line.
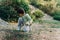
24	21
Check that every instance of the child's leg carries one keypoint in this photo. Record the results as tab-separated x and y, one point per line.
26	28
20	22
18	28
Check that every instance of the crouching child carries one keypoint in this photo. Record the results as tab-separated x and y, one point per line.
24	21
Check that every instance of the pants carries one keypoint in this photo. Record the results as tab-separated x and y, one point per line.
21	26
20	23
24	28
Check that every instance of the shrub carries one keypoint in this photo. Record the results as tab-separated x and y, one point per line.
38	14
8	14
47	0
33	2
24	5
33	17
7	11
56	15
46	6
21	3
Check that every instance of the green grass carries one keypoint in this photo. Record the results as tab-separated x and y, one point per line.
53	23
58	1
49	23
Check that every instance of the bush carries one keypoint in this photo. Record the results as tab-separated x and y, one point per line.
21	3
56	15
7	11
46	6
33	2
24	5
33	17
38	14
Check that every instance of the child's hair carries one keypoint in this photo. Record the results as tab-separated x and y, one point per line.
20	11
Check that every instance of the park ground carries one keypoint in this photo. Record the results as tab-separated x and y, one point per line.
45	29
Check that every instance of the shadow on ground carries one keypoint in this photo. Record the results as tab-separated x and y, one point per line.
14	35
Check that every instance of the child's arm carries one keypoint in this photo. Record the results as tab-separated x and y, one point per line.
29	19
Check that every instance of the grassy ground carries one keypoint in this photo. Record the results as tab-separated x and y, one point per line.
41	34
40	30
49	23
52	23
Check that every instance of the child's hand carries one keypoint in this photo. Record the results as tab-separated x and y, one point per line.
31	22
27	23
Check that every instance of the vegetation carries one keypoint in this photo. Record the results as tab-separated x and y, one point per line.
56	15
40	26
38	14
7	11
58	2
46	6
49	23
9	14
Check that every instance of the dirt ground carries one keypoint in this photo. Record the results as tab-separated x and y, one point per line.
38	33
47	34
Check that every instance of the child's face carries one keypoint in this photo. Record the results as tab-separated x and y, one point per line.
21	15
